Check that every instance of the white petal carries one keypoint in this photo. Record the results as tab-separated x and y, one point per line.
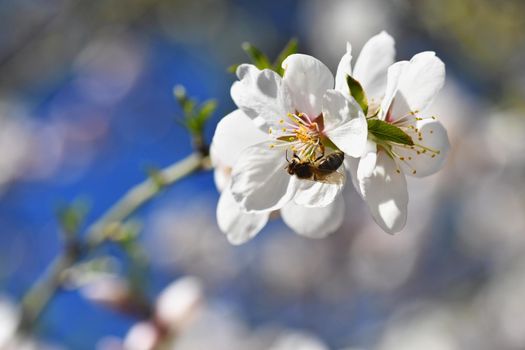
221	177
234	133
319	194
260	94
434	137
351	165
385	193
394	73
367	162
372	64
307	79
344	123
259	179
418	84
343	69
238	225
314	222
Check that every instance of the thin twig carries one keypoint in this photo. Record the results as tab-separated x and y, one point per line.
41	293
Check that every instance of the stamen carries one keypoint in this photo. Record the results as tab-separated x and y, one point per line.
410	114
300	134
404	161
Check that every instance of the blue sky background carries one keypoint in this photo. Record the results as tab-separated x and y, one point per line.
50	82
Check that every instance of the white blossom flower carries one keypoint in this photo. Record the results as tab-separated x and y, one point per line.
9	319
179	302
414	144
10	338
300	117
234	133
298	112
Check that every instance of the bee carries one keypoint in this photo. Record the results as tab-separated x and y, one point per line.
323	169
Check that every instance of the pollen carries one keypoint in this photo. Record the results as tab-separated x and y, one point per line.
302	133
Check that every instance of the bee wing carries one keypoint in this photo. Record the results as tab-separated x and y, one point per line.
335	178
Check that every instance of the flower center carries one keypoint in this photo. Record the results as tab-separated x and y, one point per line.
301	135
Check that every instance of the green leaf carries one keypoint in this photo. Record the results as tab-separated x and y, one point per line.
357	92
72	216
387	132
195	117
185	103
259	59
233	68
290	48
206	110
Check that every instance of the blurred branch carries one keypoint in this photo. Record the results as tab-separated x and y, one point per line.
139	195
43	290
41	293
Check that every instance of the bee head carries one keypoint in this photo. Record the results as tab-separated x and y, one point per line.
299	168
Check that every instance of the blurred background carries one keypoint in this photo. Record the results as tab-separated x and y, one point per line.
86	106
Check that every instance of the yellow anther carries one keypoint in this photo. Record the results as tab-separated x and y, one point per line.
414	172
